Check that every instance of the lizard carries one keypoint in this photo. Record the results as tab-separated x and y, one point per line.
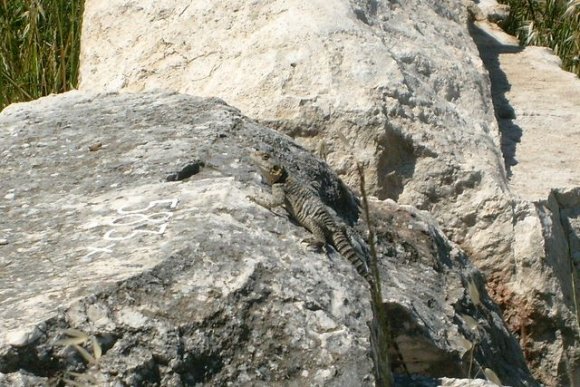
305	206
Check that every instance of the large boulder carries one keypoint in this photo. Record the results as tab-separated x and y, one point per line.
178	282
396	86
131	254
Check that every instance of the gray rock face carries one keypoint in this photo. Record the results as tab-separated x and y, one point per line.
179	282
400	87
110	273
445	324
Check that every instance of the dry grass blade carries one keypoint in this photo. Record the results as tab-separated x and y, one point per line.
572	8
71	341
75	337
85	354
470	321
492	377
380	330
75	333
97	350
473	292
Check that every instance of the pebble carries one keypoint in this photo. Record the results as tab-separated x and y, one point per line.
22	337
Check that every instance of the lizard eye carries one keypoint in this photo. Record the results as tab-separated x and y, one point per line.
265	156
276	168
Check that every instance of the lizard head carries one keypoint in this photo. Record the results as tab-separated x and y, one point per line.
276	174
272	171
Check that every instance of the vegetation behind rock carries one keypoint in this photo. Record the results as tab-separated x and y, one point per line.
39	49
551	23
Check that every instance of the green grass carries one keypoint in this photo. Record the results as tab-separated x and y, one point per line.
550	23
39	48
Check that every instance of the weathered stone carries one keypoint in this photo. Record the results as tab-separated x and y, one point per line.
178	283
568	202
185	281
492	11
22	379
441	315
536	288
398	87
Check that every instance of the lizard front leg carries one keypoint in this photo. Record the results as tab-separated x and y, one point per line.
270	201
318	240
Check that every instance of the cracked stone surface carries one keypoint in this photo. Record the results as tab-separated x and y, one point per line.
115	270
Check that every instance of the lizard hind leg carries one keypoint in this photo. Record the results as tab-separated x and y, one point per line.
317	241
314	244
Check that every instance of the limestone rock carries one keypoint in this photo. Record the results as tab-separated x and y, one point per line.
541	164
336	75
398	87
539	135
442	317
492	11
116	271
22	379
178	282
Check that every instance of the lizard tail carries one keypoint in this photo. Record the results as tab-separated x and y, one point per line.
342	243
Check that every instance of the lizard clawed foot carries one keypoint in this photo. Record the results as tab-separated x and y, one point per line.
314	244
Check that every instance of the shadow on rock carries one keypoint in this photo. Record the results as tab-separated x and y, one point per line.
489	50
